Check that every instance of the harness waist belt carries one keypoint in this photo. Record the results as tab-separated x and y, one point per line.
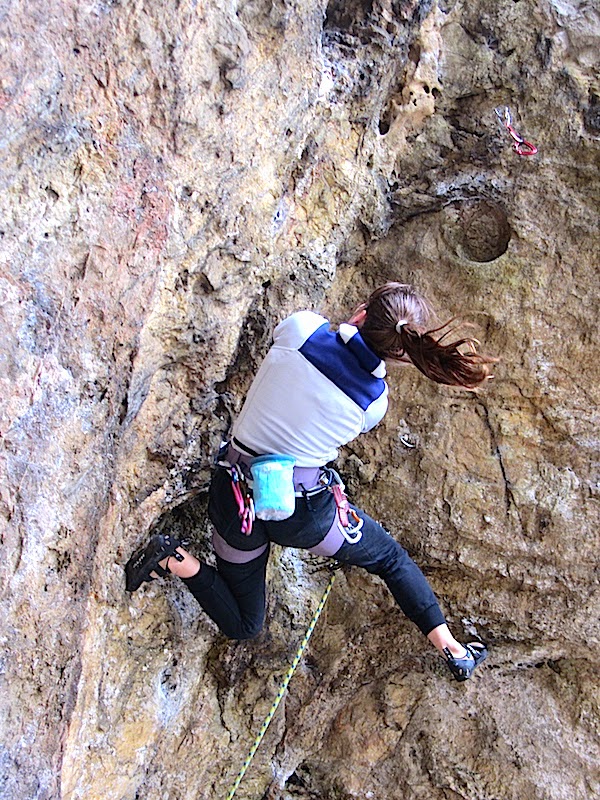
307	480
242	448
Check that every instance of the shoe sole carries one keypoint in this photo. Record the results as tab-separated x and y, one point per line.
142	562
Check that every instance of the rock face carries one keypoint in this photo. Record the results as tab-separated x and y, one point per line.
176	178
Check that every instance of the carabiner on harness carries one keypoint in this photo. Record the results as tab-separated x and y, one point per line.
520	145
243	499
351	531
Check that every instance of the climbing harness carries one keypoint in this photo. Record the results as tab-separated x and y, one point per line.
275	497
520	145
283	687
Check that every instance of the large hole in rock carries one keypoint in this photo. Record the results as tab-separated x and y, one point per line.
483	232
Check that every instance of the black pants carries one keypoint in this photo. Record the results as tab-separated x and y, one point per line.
233	595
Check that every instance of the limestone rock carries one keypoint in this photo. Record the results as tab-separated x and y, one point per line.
176	178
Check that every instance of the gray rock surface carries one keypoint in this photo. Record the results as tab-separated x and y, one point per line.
176	177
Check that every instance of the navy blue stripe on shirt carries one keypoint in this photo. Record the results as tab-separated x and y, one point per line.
327	351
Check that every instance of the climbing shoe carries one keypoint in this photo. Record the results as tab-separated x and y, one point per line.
145	560
462	668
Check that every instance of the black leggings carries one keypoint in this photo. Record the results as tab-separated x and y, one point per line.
233	595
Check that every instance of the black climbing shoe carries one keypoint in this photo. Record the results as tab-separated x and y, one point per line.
462	668
145	560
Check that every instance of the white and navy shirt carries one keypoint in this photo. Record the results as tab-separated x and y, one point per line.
315	391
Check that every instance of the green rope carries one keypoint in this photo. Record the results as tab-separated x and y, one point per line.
283	687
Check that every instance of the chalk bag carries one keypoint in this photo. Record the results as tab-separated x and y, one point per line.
273	486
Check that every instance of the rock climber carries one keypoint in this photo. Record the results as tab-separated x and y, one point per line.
316	390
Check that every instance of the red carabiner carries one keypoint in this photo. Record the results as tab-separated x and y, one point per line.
341	501
243	500
520	145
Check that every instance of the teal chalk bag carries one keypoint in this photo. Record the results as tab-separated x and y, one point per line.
273	486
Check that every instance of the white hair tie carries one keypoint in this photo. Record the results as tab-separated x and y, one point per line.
400	324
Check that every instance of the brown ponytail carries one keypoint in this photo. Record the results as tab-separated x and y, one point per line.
395	326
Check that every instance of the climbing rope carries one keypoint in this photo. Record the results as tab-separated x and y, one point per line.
282	688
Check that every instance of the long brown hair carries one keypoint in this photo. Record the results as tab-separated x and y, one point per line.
396	326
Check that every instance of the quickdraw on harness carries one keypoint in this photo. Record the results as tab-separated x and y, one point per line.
243	498
352	531
520	145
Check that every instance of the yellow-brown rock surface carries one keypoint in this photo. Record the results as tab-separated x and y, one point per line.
176	177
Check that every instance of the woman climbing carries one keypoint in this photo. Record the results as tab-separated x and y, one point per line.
316	391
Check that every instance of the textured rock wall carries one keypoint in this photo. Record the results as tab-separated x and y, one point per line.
176	178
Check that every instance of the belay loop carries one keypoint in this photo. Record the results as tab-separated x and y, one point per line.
520	145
